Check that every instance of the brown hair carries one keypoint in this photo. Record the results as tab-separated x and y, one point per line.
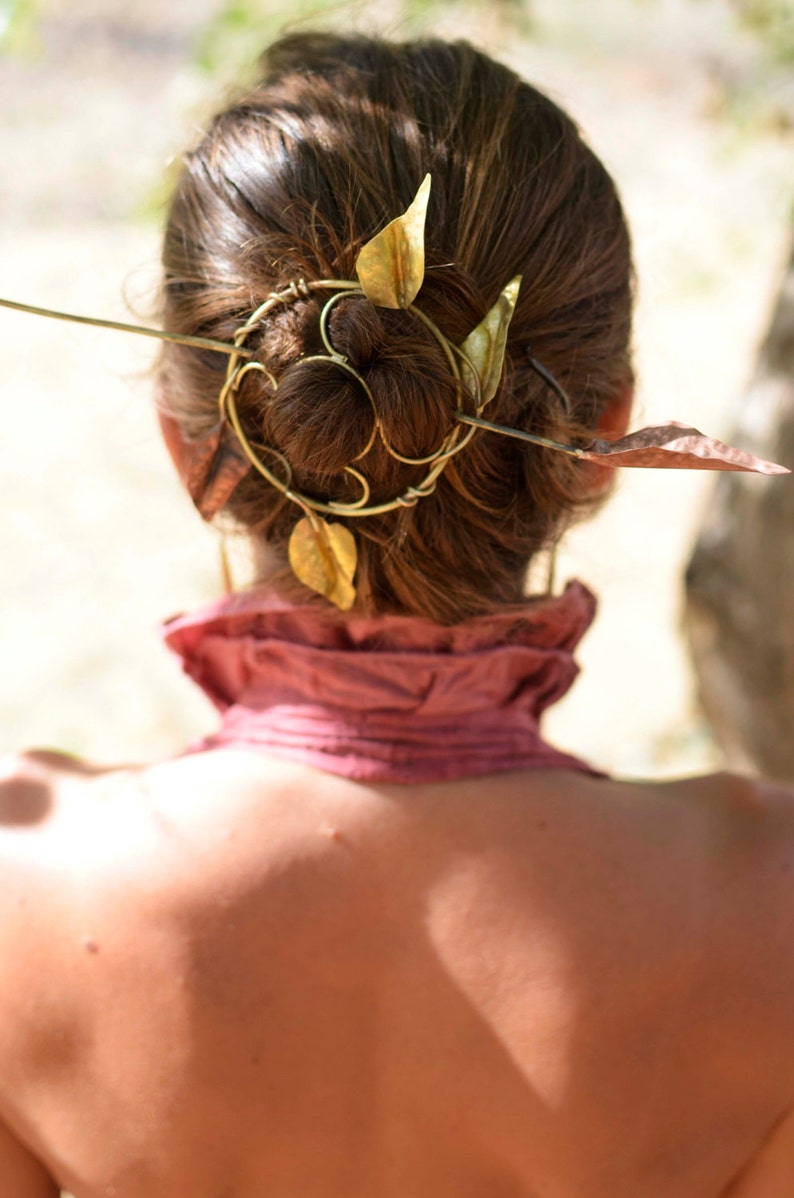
289	183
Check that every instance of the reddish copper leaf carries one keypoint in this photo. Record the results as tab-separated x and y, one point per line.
676	447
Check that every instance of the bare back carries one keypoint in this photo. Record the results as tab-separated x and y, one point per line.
230	976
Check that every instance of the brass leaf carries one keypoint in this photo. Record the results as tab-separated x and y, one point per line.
391	267
323	557
485	346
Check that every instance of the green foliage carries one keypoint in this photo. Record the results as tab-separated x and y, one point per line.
19	23
241	28
758	96
772	21
764	96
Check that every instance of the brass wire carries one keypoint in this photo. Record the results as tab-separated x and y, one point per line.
453	443
222	347
240	363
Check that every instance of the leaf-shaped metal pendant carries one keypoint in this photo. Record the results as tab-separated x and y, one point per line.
677	447
667	446
323	557
485	346
391	267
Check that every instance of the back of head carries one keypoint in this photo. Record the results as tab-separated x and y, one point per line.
288	184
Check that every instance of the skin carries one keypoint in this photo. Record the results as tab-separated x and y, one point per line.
227	976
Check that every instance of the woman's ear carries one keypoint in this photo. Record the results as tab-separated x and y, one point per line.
210	468
175	444
610	426
614	420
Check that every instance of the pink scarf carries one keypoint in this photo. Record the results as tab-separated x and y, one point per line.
386	698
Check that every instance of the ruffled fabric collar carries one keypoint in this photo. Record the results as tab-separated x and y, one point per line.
387	698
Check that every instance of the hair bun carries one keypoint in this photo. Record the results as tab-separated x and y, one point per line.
356	330
288	183
321	417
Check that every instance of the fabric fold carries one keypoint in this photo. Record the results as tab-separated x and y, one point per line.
389	698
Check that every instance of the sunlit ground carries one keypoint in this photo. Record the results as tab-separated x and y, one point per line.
98	543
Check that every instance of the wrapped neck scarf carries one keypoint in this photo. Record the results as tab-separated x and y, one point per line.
386	698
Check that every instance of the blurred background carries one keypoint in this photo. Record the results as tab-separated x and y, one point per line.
691	105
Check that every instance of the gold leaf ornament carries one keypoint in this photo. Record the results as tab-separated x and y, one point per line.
391	267
323	557
484	348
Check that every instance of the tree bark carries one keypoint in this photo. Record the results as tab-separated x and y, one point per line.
739	610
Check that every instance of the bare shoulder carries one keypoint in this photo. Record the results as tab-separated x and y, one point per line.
33	914
748	824
743	831
29	782
44	798
43	807
136	857
37	789
745	834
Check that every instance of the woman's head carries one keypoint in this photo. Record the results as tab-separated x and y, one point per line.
289	183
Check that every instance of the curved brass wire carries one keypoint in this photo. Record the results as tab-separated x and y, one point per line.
249	368
455	440
343	364
240	363
233	417
325	336
447	448
360	503
342	361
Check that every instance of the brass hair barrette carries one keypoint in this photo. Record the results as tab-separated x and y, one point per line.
390	271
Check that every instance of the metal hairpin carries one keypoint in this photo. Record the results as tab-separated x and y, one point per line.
519	434
551	381
453	443
299	289
390	270
221	347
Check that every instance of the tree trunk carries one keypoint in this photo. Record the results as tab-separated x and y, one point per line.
739	613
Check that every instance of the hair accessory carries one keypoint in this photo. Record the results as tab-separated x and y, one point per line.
550	381
98	322
483	351
669	446
323	557
389	273
391	267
